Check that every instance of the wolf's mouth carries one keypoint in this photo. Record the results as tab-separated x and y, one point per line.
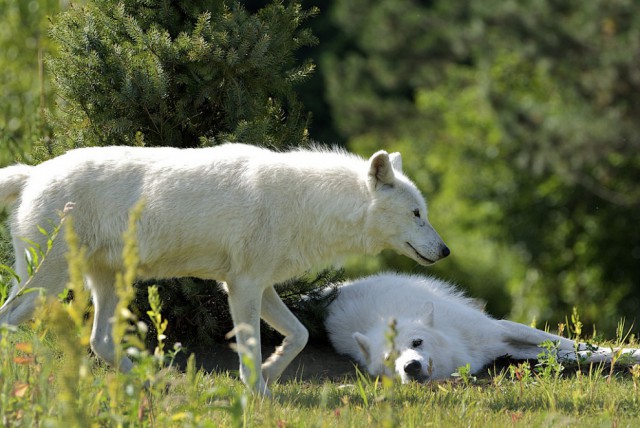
421	378
420	255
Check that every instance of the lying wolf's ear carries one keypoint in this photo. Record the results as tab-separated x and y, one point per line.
380	170
396	161
427	314
364	345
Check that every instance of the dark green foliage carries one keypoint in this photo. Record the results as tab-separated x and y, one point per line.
519	121
180	72
318	292
25	92
197	310
198	313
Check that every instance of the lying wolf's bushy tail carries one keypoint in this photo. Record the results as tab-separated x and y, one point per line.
12	180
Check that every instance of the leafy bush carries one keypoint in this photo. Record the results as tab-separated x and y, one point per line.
198	314
180	72
519	121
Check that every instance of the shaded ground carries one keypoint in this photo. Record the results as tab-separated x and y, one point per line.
316	361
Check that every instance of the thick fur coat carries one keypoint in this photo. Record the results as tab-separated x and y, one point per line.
435	330
243	215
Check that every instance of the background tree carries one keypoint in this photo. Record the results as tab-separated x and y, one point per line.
519	120
25	90
178	72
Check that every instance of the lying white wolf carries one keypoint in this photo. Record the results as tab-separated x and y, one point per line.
437	329
240	214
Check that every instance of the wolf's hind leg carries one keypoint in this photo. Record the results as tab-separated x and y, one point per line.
50	278
276	313
19	309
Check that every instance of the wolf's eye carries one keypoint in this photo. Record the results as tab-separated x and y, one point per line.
416	343
416	213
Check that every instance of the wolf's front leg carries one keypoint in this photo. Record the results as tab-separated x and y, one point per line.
276	313
105	301
529	338
599	354
244	304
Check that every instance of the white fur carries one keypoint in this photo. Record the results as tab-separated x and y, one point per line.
240	214
449	329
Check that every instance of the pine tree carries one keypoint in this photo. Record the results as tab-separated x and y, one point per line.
180	72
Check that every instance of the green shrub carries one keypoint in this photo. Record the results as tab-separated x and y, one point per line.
180	72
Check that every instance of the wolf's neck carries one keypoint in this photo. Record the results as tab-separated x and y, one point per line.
332	225
343	224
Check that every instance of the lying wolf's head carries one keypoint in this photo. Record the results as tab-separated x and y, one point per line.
410	349
397	217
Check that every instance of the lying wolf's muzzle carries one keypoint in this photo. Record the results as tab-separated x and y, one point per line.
413	370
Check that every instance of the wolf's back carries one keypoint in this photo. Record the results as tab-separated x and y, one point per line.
12	180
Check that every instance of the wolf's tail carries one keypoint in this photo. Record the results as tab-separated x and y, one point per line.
12	180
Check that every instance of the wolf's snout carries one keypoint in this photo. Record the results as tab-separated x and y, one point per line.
444	251
413	368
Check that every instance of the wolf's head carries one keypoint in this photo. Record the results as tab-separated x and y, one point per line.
397	216
412	350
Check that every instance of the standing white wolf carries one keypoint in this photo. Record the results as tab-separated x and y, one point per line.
437	330
247	216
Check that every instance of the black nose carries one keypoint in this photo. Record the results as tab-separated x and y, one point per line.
413	368
444	251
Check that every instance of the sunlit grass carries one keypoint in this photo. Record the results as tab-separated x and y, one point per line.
39	386
48	377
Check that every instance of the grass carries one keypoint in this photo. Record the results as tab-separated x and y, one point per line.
38	387
49	378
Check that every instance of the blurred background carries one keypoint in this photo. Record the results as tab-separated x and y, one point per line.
519	121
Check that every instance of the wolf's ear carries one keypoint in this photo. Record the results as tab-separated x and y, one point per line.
427	314
363	345
380	170
396	161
